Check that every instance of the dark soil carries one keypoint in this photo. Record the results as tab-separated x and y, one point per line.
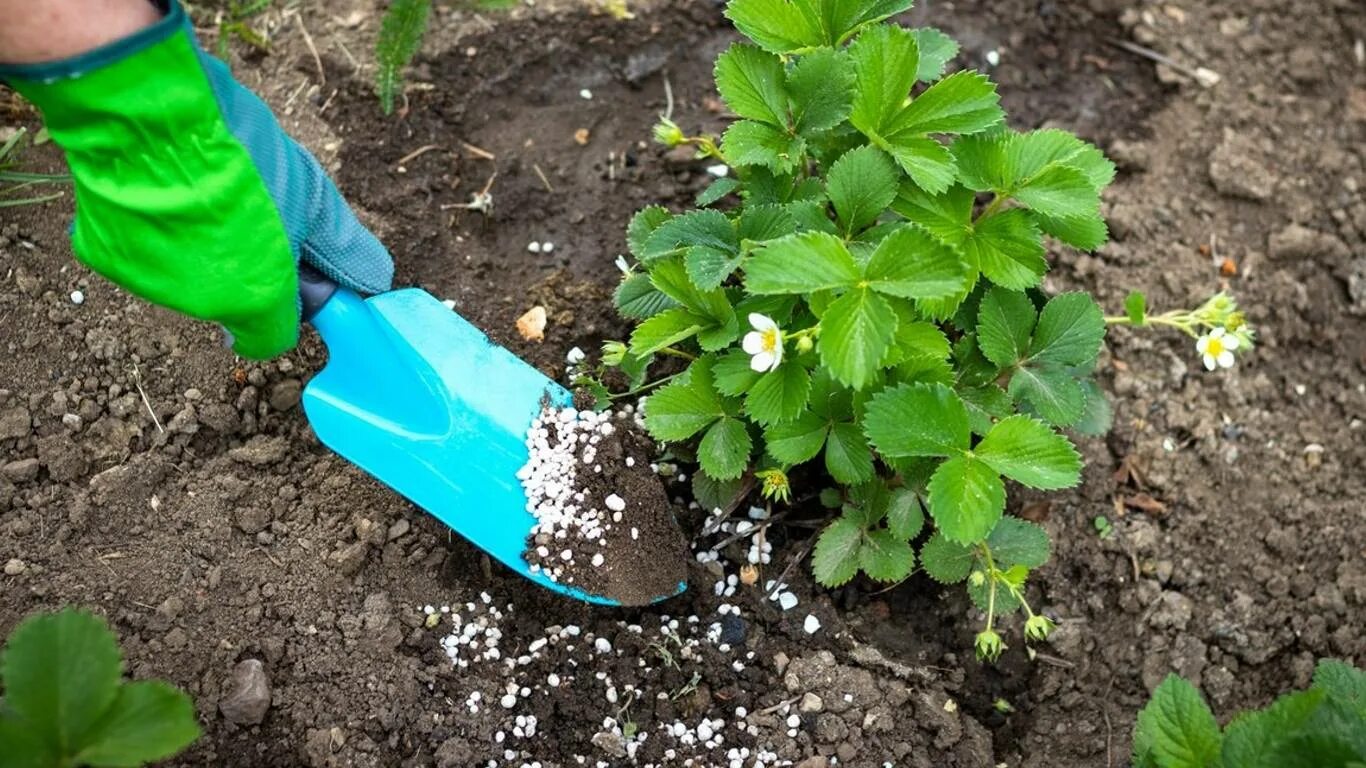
644	554
210	526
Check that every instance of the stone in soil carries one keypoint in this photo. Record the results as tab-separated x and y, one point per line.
603	523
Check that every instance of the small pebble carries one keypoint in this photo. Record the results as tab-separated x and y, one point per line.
811	625
77	297
585	94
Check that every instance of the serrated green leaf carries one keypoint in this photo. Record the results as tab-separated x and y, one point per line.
642	225
778	26
886	557
1015	542
708	268
760	223
751	82
1251	740
779	395
936	49
1054	393
945	561
917	420
711	493
400	38
917	340
1097	415
929	163
856	332
905	515
1005	321
1343	682
1136	307
982	163
861	184
22	746
839	18
966	499
725	448
706	228
1031	454
801	263
671	276
1008	248
812	215
1176	728
829	400
148	721
797	441
912	264
748	143
1059	191
734	374
947	216
61	675
985	405
964	102
847	456
716	190
1085	232
665	329
835	558
1028	154
821	88
1069	332
720	334
638	299
886	60
684	406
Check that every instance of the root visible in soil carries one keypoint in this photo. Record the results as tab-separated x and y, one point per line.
604	524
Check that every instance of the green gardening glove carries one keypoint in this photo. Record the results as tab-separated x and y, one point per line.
188	192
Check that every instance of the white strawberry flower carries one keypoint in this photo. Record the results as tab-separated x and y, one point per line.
1217	348
764	344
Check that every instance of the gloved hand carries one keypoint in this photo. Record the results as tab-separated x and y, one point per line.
188	192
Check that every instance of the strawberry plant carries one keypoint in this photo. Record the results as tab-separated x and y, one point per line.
1323	727
65	703
861	294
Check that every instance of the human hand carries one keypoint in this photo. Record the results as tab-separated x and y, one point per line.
188	192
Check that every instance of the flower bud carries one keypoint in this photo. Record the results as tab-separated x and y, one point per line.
613	352
804	344
989	645
668	133
1038	627
977	578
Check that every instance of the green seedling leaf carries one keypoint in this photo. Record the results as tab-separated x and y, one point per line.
929	163
1005	321
945	561
848	458
905	515
856	332
716	190
936	49
734	375
642	226
704	228
779	395
964	102
1176	729
685	406
708	268
1253	738
1054	393
638	298
911	264
917	420
841	18
797	441
1085	232
711	493
751	82
1060	191
761	223
885	557
821	88
1031	454
664	330
400	36
778	26
1029	154
986	404
1070	330
1136	307
1097	415
1343	682
671	277
801	263
1015	542
725	448
966	499
1008	248
835	558
149	721
749	143
861	184
886	60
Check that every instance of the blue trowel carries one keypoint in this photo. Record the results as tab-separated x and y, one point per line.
422	400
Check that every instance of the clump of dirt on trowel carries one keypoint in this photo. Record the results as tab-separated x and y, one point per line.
603	520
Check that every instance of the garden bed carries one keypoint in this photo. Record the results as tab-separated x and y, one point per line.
187	500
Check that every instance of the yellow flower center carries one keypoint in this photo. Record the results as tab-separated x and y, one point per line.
1214	347
771	339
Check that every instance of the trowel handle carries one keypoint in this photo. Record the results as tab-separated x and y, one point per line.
315	289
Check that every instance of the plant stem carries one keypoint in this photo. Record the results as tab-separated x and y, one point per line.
678	353
646	386
992	207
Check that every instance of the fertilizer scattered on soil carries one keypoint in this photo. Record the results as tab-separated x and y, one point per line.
603	520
